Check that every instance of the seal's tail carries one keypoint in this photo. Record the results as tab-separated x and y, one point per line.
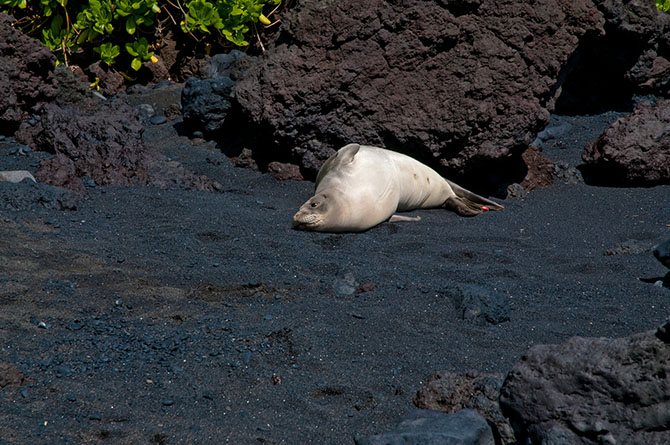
466	203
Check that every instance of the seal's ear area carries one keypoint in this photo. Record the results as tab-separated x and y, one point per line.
343	156
347	153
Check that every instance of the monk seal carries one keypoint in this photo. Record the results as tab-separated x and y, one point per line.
15	176
361	186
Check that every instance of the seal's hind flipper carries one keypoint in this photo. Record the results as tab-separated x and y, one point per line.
463	206
466	203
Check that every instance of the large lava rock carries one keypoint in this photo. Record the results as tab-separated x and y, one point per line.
100	143
592	390
634	150
26	76
459	84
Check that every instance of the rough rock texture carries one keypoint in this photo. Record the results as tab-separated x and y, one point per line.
226	65
424	427
449	393
284	171
111	82
26	76
457	83
592	390
540	171
182	61
100	142
634	150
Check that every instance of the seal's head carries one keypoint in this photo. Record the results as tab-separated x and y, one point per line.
313	214
324	212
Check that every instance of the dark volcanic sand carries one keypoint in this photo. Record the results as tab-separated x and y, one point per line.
168	312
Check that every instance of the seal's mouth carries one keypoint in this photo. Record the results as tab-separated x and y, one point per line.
302	221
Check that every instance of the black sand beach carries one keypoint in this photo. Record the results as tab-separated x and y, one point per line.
174	316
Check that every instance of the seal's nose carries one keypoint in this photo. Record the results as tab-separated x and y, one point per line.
296	221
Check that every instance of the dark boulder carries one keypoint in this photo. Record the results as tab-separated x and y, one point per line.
643	50
110	81
283	171
629	57
592	390
205	104
634	150
209	110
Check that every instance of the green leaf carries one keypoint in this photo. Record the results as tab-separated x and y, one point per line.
83	36
131	25
131	50
136	64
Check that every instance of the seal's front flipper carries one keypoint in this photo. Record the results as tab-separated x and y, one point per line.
398	218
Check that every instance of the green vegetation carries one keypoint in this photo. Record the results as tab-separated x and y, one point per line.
663	5
84	28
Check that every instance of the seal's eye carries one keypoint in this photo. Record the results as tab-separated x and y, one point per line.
314	204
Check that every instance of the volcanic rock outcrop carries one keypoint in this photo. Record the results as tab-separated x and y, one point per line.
460	85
